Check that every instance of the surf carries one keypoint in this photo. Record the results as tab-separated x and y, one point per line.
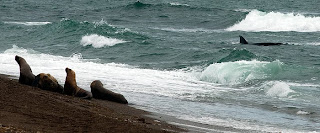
216	83
98	41
258	21
28	23
239	72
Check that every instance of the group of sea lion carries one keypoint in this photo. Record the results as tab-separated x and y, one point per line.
48	82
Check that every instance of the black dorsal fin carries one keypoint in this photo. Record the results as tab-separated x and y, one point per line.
242	40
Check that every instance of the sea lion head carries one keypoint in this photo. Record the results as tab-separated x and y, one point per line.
71	77
19	59
96	83
70	84
70	72
99	92
47	82
67	70
24	66
26	75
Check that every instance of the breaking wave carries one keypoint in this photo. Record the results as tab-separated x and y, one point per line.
233	73
28	23
257	21
98	41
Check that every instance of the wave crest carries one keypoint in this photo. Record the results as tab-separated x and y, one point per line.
277	89
257	21
98	41
29	23
233	73
237	55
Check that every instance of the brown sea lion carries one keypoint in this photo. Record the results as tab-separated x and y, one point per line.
47	82
26	75
99	92
71	88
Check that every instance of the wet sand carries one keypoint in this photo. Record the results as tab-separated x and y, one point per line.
29	109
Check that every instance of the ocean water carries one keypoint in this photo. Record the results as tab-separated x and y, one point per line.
180	58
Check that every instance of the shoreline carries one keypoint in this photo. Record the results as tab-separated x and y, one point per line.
28	109
195	127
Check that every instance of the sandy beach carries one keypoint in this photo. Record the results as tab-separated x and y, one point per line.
29	109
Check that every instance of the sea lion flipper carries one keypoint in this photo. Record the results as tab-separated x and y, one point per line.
84	94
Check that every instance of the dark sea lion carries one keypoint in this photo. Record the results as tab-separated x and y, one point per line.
26	75
47	82
99	92
244	41
71	88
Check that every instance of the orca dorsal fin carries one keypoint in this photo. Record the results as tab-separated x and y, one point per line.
242	40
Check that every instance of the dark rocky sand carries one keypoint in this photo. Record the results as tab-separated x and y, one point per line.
29	109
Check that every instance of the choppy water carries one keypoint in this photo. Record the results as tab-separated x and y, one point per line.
180	58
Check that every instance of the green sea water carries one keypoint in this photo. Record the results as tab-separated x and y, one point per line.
184	56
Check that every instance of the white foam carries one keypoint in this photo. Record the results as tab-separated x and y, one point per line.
257	21
303	84
101	22
194	128
182	30
277	89
243	10
242	125
178	4
120	78
300	112
29	23
98	41
116	76
232	73
312	43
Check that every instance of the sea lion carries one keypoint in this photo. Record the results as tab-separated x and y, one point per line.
26	75
47	82
99	92
71	88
